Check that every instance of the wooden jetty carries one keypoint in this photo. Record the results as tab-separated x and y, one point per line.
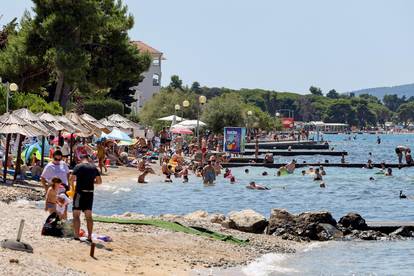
300	165
287	144
295	152
389	226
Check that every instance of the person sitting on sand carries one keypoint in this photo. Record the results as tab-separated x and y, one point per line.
209	174
254	186
141	177
51	195
318	176
389	172
291	167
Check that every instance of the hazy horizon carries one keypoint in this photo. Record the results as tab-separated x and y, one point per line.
275	45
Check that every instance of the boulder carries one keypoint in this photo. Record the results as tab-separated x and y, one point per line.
353	221
227	223
197	215
279	220
368	235
403	231
216	218
327	232
315	217
248	221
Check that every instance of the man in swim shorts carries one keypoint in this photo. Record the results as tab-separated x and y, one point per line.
86	176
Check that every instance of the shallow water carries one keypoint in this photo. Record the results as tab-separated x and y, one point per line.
348	189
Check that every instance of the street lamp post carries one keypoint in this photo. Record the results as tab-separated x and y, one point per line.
201	101
185	105
10	88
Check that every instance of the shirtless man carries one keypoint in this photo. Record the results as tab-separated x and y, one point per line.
141	177
209	174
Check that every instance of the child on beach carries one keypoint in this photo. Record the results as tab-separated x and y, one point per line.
51	195
62	206
141	177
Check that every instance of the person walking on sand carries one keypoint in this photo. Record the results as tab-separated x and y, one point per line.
56	168
86	176
101	155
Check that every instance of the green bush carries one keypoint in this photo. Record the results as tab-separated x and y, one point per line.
101	108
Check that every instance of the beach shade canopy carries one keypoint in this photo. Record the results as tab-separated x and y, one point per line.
171	118
11	124
189	124
89	129
95	122
117	134
118	118
107	123
51	121
181	130
27	115
122	122
71	127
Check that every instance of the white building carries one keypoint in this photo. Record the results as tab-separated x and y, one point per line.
151	83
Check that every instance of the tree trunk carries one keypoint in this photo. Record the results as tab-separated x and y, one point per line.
64	97
59	86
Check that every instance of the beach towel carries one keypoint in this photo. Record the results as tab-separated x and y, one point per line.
176	227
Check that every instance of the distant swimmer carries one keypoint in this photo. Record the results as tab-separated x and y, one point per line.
303	172
322	185
389	172
369	165
399	151
402	195
378	140
372	179
291	166
246	171
318	175
322	170
254	186
264	173
408	157
343	158
232	180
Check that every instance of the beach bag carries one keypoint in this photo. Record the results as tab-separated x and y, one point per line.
52	226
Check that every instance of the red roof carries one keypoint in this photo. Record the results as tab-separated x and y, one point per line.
146	48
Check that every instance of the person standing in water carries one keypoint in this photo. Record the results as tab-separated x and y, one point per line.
209	174
378	140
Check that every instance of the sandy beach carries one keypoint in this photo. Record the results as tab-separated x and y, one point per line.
135	250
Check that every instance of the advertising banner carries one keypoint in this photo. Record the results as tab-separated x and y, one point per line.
234	139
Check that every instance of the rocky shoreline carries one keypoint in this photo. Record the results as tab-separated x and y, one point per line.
26	191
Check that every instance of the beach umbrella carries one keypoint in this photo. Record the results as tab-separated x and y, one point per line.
89	129
95	122
189	124
122	122
118	118
51	121
107	123
171	118
11	124
117	134
181	130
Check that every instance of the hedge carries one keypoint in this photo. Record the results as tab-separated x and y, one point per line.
103	107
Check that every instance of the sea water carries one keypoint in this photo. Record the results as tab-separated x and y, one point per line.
347	190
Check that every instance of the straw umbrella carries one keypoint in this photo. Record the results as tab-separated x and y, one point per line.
11	124
95	122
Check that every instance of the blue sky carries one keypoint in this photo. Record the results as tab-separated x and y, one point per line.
275	44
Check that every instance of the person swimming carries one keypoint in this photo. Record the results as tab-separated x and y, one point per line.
232	180
389	172
246	171
254	186
264	173
372	179
322	185
227	173
318	175
303	172
322	170
291	166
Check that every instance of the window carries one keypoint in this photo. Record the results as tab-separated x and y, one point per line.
156	61
156	80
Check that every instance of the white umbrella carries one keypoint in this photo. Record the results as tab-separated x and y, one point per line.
190	124
117	134
171	118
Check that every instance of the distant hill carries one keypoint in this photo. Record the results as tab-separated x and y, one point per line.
379	92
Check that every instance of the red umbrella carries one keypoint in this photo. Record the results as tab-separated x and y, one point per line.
181	130
66	135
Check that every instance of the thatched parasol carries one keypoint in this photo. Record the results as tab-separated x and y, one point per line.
79	122
52	121
95	122
11	124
